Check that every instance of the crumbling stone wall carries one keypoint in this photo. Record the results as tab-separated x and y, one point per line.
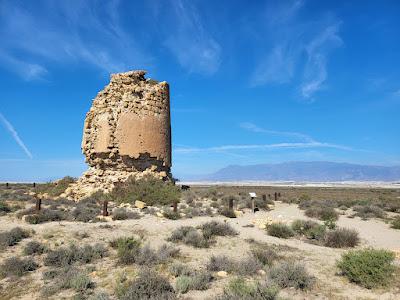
127	132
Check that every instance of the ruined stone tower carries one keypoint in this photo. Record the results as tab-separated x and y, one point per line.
127	132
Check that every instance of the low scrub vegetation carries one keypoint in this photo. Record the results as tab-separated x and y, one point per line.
147	285
366	212
239	288
396	223
130	251
65	256
369	268
16	266
280	230
196	281
148	189
203	236
34	248
122	213
67	278
12	237
246	266
290	274
341	238
56	188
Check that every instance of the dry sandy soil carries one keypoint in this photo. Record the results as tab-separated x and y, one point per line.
320	261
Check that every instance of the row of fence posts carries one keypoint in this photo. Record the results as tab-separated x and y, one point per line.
9	186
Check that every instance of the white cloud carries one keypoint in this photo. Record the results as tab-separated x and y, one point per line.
66	32
15	135
262	147
288	40
194	48
315	73
297	135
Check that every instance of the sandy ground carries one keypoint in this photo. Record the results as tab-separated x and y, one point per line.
320	261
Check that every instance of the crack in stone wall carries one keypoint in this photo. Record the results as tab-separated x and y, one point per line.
127	132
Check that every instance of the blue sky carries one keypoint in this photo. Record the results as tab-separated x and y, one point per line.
251	81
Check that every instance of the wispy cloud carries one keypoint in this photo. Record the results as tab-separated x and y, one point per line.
315	73
297	135
192	45
15	135
290	39
261	147
69	32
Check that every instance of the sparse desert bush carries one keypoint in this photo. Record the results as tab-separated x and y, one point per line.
16	266
56	188
189	236
396	223
122	213
4	208
44	215
265	256
290	274
322	213
368	211
86	210
148	285
197	281
214	228
224	211
369	268
179	269
66	278
172	215
310	229
65	256
148	189
12	237
127	249
245	266
341	238
280	230
239	289
34	247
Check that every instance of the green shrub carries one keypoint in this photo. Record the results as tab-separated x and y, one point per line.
56	188
290	274
4	208
280	230
265	256
199	281
16	266
148	189
65	256
246	266
122	213
214	228
34	247
368	211
12	237
148	285
172	215
369	268
86	210
322	213
227	213
44	215
396	223
179	269
341	238
127	249
189	236
239	289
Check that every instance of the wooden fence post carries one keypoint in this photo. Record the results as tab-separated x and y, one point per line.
38	206
105	208
230	204
7	185
175	205
34	184
275	196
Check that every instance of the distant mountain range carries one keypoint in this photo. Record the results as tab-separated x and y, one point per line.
305	171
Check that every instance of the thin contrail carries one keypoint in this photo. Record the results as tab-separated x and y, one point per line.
15	135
